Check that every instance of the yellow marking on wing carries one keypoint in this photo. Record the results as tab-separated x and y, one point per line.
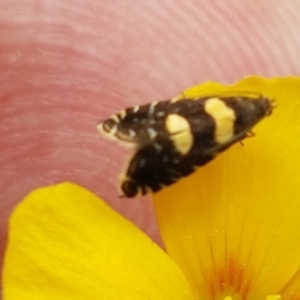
224	118
180	133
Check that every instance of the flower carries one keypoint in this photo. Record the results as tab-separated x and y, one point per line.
234	227
232	230
66	243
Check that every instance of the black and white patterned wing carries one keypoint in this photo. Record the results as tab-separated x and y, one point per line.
157	165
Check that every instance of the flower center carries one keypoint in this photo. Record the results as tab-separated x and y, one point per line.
270	297
231	280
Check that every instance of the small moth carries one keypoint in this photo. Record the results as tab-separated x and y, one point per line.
173	138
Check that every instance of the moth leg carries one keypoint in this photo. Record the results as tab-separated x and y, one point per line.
249	134
273	103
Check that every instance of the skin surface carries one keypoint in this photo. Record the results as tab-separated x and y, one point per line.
65	65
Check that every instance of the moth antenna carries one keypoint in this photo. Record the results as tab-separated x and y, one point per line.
249	134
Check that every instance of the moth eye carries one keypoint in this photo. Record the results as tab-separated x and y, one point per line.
130	188
109	125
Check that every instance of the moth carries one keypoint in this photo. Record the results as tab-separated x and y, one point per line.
173	138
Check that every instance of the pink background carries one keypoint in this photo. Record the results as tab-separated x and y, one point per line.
65	65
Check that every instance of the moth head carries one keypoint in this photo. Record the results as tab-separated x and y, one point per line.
114	129
108	127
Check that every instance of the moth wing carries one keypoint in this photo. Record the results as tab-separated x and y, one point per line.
156	165
199	157
153	166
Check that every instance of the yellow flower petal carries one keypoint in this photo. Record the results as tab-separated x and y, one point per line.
65	243
234	226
